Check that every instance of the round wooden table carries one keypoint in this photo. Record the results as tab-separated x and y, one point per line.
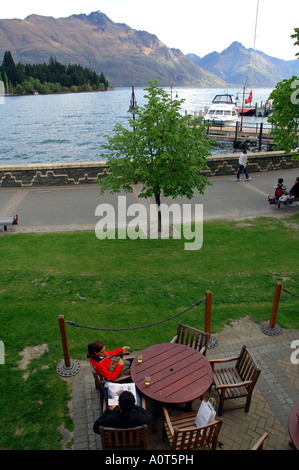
178	373
293	426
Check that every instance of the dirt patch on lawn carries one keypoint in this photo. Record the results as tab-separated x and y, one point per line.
29	353
239	330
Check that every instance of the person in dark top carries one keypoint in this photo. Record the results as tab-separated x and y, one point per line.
295	189
125	415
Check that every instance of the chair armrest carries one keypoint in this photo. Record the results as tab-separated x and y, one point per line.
174	339
219	361
236	385
168	421
227	359
259	444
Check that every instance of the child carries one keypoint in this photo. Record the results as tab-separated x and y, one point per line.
279	189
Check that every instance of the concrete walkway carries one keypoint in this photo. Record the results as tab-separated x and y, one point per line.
69	208
277	391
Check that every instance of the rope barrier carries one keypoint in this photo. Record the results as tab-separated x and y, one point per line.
136	327
291	293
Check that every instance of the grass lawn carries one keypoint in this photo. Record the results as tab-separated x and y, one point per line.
123	284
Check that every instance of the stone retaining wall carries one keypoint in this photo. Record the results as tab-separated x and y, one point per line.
83	173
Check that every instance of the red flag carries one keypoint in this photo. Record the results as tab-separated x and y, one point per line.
249	99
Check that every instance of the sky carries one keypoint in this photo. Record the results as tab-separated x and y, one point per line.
193	26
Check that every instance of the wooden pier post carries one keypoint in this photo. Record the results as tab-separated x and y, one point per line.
261	136
236	135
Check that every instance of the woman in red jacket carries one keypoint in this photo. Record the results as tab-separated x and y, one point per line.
101	360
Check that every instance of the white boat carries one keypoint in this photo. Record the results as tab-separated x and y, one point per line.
223	110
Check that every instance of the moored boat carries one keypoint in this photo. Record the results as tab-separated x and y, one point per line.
223	110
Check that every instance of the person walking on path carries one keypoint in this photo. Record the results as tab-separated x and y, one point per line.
243	166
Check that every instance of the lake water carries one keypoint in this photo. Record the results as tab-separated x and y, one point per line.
71	127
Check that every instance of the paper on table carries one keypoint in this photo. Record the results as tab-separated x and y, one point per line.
115	389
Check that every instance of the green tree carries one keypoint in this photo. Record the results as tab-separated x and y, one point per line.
285	117
296	36
10	68
158	150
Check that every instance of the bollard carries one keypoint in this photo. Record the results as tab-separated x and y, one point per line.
275	305
68	367
208	312
65	346
208	319
271	328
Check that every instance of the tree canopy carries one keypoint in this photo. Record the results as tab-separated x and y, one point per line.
48	78
159	150
285	117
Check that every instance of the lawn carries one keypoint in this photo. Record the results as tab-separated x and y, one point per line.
123	284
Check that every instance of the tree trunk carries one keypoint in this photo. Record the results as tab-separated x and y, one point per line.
158	202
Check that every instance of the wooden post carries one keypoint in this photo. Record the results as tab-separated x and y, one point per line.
276	299
236	135
65	347
208	312
261	136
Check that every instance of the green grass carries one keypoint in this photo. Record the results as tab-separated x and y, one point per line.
122	284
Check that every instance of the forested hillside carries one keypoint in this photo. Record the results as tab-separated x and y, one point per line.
53	77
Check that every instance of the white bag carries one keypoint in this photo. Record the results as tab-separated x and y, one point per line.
206	413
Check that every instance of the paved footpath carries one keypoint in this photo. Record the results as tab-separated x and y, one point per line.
277	391
68	208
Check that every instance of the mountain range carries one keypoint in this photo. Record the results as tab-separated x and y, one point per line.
130	57
238	65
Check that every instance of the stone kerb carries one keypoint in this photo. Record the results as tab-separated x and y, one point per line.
55	174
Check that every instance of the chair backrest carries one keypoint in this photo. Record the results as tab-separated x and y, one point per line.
247	367
129	438
192	337
192	438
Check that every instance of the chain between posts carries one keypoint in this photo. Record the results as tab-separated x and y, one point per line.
136	327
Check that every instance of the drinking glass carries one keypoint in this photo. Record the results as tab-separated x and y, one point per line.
139	358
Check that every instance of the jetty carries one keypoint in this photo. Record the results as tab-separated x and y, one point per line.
240	134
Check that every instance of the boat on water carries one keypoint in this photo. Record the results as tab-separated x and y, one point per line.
223	110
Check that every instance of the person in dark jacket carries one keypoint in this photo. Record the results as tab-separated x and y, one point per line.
125	415
295	189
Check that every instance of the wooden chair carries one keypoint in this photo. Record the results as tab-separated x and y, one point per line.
259	445
189	336
237	381
183	434
124	439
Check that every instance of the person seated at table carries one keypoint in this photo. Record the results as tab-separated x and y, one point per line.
107	364
126	415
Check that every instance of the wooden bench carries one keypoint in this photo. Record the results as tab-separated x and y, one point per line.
5	221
